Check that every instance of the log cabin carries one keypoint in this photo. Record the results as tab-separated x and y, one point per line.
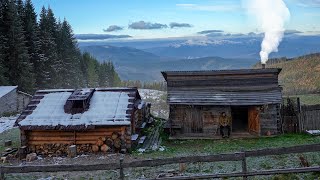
250	97
100	119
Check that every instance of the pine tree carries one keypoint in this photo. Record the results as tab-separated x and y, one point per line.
16	55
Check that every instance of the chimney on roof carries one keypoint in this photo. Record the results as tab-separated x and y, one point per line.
263	66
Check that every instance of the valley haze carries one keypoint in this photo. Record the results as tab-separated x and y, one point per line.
143	59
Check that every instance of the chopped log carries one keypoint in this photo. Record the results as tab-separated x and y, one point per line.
95	148
99	142
104	148
103	138
117	143
7	143
31	157
72	151
114	135
109	142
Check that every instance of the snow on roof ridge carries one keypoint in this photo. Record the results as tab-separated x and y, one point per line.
50	110
55	90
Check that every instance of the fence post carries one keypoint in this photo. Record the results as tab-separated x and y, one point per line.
244	164
121	169
1	173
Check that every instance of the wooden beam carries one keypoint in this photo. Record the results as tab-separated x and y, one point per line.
187	159
59	168
284	150
240	174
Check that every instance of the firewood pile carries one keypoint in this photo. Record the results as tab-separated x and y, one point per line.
114	143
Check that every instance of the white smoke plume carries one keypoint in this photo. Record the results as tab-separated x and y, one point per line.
271	16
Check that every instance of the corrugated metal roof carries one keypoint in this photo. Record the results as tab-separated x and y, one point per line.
108	106
224	97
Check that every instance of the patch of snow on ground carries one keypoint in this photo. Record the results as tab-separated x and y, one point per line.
159	106
7	123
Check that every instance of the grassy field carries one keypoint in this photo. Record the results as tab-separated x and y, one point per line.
201	147
13	135
192	147
308	99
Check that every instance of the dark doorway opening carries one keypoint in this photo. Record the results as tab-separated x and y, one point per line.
239	118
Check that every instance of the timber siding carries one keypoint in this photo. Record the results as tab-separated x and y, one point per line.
251	97
8	102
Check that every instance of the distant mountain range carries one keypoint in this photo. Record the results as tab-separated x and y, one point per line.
144	59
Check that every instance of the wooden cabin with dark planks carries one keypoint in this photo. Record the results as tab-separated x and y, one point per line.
251	97
100	119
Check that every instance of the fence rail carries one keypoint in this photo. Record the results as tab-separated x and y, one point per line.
239	156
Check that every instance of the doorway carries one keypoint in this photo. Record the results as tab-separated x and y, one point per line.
239	118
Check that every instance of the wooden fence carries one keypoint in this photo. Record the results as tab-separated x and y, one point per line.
240	156
309	118
299	118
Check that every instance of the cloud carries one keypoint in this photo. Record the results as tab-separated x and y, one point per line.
210	31
146	25
99	36
179	25
291	31
220	7
113	28
309	3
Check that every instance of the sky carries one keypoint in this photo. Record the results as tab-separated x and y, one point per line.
144	19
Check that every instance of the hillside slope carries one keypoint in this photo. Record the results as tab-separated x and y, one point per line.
299	75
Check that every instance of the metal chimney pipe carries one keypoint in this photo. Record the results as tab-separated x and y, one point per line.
263	66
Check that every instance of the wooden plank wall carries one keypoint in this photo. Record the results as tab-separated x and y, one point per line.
196	119
40	137
270	120
310	117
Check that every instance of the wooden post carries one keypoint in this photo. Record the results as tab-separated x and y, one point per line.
244	164
1	174
23	152
121	169
72	151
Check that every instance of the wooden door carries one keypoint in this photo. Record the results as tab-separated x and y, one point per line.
253	120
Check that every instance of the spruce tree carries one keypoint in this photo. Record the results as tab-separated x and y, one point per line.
48	49
3	79
29	18
16	58
70	56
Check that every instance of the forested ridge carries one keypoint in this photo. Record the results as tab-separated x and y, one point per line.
40	54
299	75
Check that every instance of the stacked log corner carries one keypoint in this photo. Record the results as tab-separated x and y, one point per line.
57	142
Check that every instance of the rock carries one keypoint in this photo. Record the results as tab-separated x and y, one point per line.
31	157
3	159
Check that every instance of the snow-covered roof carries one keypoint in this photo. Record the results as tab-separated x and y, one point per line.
107	107
6	89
